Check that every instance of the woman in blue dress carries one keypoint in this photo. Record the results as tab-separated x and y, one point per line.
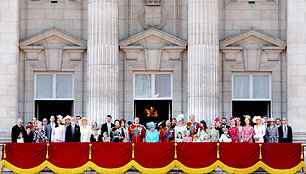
152	134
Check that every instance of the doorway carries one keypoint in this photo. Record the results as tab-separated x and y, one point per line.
46	108
252	108
153	110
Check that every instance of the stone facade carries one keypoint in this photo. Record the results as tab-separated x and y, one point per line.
201	43
296	64
9	85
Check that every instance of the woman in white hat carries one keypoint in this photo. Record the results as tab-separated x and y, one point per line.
180	127
58	132
85	129
260	130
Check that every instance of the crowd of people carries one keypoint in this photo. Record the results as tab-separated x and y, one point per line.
78	129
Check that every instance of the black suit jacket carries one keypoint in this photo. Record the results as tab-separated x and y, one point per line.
77	134
92	139
28	138
281	134
104	128
16	131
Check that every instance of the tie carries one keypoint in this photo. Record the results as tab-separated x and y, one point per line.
73	131
108	129
285	128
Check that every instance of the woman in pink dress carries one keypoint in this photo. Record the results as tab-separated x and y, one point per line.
247	130
233	131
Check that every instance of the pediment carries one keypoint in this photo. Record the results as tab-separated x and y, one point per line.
252	39
53	38
153	38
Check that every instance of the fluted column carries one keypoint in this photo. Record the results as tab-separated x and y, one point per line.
203	52
103	63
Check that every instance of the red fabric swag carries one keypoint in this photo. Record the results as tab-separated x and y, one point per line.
68	155
26	155
154	155
197	155
281	155
239	155
111	155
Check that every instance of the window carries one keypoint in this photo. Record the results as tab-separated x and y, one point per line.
54	86
153	86
251	87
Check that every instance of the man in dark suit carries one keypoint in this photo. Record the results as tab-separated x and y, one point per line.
106	127
73	133
285	132
224	123
16	130
49	128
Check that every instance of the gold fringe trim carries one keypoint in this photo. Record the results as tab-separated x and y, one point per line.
175	163
196	170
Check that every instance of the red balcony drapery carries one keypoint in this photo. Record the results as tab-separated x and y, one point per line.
152	157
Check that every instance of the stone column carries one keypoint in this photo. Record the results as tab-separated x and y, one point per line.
203	49
9	52
296	57
103	63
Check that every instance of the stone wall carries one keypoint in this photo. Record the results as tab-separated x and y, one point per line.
9	39
296	55
236	16
40	15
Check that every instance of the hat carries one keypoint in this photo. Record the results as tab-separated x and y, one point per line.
237	118
123	120
130	123
257	118
67	117
217	119
60	117
271	119
160	123
180	117
84	118
232	118
247	117
151	124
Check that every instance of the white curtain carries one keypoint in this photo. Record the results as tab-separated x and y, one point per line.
261	86
241	86
142	86
163	85
64	86
44	86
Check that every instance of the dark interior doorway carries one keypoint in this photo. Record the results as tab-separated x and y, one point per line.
153	110
46	108
252	108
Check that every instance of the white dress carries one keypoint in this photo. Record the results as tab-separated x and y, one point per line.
85	133
180	129
260	132
126	135
58	134
202	133
225	138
